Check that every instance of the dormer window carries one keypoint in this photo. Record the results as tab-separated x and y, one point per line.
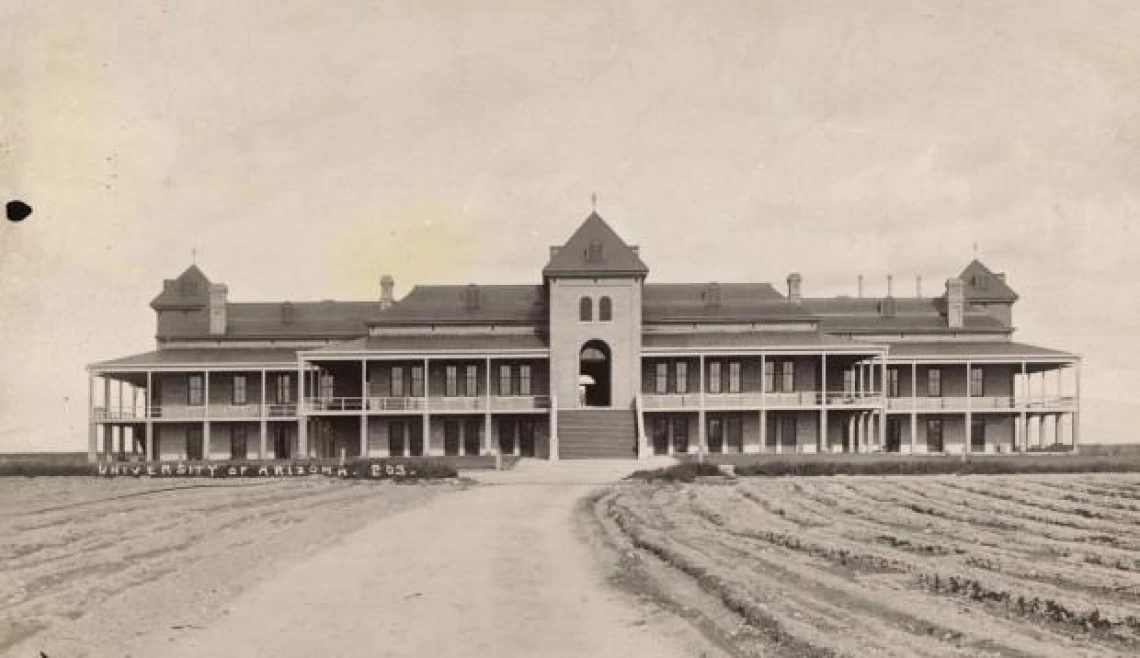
978	281
594	252
188	287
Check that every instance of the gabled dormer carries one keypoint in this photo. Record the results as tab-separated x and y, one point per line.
985	290
190	306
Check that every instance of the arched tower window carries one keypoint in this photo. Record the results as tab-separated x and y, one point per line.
605	309
586	310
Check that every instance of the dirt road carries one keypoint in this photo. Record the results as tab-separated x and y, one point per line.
496	570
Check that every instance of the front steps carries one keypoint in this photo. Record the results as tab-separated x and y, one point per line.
597	434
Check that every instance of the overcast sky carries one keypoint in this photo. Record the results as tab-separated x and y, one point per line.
304	148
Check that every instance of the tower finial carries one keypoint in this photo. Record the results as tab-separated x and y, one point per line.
594	202
975	251
194	256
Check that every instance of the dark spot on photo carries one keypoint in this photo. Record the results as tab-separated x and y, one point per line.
18	211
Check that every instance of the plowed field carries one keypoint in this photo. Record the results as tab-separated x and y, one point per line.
899	566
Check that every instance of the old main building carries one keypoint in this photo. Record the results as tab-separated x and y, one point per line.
592	362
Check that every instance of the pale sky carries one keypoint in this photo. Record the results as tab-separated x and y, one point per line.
304	148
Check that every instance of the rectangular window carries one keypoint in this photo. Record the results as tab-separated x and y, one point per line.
977	382
397	376
451	387
239	393
934	383
769	376
734	433
504	380
714	377
238	446
788	376
284	389
524	380
472	381
733	376
194	443
893	382
716	434
934	435
194	391
662	380
417	381
326	387
849	381
681	370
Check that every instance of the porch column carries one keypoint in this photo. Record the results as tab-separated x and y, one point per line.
1076	414
882	391
488	448
1023	404
425	426
822	403
763	405
364	407
206	415
302	417
702	439
263	429
969	416
92	428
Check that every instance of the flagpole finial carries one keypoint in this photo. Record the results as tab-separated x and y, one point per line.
975	251
193	256
594	202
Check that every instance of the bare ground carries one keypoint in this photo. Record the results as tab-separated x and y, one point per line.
305	568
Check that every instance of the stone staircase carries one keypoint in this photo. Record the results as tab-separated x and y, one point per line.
597	434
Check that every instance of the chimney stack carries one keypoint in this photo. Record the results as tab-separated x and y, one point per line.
386	286
471	297
860	286
890	285
794	292
955	303
918	286
218	301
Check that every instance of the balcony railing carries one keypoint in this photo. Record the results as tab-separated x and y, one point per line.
652	401
195	412
854	398
985	403
520	402
396	404
418	404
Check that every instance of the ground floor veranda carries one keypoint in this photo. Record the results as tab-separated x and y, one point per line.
529	435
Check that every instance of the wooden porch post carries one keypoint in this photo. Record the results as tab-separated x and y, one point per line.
263	445
364	407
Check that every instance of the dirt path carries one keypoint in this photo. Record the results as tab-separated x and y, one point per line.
497	570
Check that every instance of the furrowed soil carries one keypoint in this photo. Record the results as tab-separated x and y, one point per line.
303	568
90	564
1023	565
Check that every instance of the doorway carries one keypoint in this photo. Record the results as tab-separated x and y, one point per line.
594	374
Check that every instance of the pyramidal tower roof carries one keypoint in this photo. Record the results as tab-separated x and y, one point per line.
594	249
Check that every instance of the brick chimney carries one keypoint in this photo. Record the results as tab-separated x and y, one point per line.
795	293
955	303
218	301
387	284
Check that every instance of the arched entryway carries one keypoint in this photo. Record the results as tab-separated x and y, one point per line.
594	374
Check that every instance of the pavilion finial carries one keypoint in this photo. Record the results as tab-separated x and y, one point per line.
594	202
194	256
